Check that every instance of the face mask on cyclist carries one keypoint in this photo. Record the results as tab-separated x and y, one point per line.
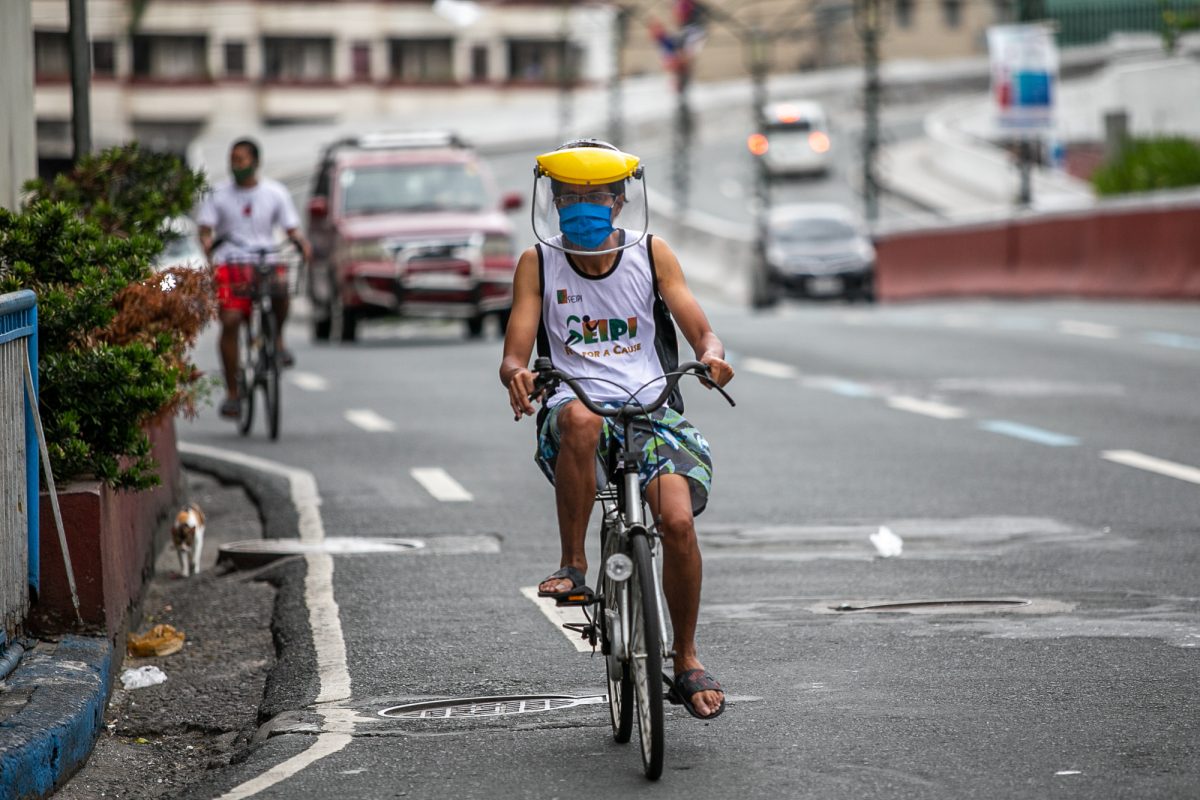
243	174
586	224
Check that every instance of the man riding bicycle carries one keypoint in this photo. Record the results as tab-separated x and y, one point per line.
243	213
588	295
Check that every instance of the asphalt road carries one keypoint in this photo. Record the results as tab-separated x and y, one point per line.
1010	445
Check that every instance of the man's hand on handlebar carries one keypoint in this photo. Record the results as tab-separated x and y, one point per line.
520	387
719	371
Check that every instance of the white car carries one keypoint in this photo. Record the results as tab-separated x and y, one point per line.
182	248
797	139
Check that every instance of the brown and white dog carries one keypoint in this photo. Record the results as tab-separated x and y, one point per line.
187	534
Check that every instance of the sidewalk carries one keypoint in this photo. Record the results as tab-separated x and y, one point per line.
59	726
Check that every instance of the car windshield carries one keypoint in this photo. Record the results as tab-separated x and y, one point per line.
815	229
413	187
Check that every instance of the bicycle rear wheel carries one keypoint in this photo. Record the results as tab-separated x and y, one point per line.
620	679
247	361
646	657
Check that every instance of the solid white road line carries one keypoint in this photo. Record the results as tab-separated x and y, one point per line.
324	621
368	420
926	407
305	496
558	616
1095	330
772	369
1171	469
308	381
439	484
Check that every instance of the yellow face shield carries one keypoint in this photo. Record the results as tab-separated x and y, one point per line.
589	200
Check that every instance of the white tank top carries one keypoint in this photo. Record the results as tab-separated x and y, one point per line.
601	327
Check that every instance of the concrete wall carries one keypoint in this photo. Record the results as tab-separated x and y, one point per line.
18	155
1130	248
111	537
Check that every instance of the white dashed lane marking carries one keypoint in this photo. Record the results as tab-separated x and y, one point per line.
560	615
308	381
771	369
368	420
1161	466
438	483
1094	330
928	408
1028	433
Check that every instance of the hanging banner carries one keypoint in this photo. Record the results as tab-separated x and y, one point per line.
1024	61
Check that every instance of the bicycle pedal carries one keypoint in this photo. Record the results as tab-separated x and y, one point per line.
580	599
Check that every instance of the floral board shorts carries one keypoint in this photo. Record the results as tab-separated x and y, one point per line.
669	444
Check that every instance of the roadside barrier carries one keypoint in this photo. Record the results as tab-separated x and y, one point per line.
1136	248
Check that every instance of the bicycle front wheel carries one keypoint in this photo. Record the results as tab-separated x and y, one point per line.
645	643
270	375
620	678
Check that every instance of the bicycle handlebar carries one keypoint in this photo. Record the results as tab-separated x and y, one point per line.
548	377
260	253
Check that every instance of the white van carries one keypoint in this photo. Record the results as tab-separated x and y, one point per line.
798	140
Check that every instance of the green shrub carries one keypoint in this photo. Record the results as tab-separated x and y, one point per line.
113	335
1144	165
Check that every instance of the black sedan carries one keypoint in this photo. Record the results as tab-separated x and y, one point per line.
817	251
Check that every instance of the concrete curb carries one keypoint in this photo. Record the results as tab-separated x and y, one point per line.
51	714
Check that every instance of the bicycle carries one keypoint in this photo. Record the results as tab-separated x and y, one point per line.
628	621
258	360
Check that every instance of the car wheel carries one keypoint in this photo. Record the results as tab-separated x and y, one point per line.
475	326
502	319
322	323
343	321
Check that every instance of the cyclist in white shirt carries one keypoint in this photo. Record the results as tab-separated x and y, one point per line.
244	213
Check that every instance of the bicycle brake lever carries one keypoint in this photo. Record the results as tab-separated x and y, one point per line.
713	385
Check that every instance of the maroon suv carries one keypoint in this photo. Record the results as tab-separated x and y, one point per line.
407	225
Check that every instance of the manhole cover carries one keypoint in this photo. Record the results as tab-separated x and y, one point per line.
934	605
256	552
475	707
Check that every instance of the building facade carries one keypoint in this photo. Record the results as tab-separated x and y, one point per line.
17	149
185	65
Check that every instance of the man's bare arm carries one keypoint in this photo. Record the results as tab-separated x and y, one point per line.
688	314
521	334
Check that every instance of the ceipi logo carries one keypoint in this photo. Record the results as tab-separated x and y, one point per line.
594	331
564	297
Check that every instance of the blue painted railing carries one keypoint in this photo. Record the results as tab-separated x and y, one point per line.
18	460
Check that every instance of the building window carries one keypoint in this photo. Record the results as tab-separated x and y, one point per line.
904	13
952	13
360	61
104	58
298	60
421	60
235	59
479	63
51	54
543	61
170	58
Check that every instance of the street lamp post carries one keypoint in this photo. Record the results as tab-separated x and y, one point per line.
616	100
81	71
870	20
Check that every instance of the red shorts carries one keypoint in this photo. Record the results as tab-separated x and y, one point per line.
235	281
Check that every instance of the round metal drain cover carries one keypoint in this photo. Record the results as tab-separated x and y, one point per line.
916	606
256	552
476	707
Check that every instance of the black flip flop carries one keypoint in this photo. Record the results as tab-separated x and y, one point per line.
686	684
579	593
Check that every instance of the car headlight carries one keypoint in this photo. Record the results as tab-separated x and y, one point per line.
367	250
497	246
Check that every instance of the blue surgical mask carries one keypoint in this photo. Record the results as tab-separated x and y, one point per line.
586	224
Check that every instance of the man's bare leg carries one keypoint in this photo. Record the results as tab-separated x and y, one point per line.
574	486
671	504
